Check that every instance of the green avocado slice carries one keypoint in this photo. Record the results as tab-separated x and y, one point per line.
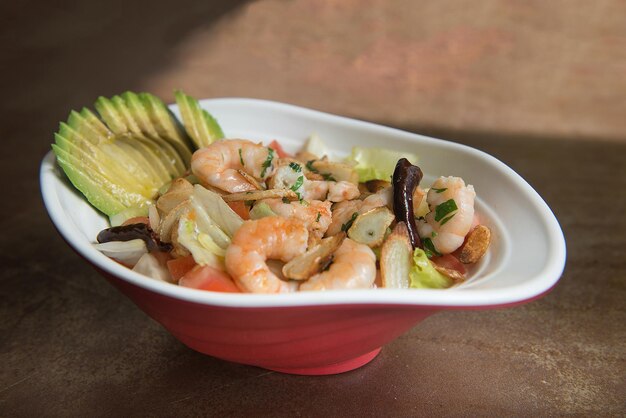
201	126
167	126
106	196
120	159
122	122
99	198
109	154
90	159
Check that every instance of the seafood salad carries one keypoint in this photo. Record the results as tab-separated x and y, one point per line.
193	208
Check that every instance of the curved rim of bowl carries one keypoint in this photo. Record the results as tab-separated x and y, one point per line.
453	298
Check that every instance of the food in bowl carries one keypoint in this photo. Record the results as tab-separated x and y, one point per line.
192	208
334	331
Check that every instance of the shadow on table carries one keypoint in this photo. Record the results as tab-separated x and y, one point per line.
64	54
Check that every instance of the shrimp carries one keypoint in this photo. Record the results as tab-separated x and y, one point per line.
291	177
273	237
288	175
354	267
447	228
316	189
346	210
342	190
217	165
342	213
315	215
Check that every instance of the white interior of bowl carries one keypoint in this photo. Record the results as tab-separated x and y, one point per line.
526	258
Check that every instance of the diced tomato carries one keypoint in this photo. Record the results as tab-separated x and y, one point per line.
208	278
279	149
178	267
137	220
240	209
450	262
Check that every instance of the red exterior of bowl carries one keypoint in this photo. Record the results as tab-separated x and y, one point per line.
311	340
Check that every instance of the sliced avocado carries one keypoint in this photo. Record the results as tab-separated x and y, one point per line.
199	124
77	122
124	112
109	156
167	126
120	159
143	155
122	121
111	117
138	122
101	199
95	159
104	195
95	123
133	103
138	110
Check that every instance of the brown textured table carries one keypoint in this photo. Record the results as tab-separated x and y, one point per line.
71	345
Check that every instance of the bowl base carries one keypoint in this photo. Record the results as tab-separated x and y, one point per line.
336	368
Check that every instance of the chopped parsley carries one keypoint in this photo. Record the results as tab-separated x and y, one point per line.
319	215
297	185
444	209
439	190
295	167
309	166
347	225
268	161
241	158
447	219
328	177
286	200
429	248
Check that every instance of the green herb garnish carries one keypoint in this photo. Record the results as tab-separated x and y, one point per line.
309	166
268	161
347	225
328	177
439	190
447	219
295	167
319	215
241	158
286	200
429	248
444	209
297	185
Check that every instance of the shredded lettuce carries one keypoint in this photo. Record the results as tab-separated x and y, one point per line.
200	245
215	207
377	163
207	228
423	274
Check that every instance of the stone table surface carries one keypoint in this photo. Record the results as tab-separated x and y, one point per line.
71	345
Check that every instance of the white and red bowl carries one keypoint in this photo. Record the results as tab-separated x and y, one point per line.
333	332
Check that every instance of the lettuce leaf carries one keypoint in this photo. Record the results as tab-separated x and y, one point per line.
423	274
377	163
